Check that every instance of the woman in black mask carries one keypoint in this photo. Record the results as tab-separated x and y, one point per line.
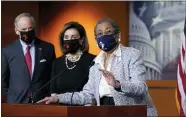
74	63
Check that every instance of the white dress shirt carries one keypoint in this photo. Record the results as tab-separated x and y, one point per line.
104	88
32	53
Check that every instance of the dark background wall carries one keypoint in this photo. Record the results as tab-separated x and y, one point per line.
9	10
51	16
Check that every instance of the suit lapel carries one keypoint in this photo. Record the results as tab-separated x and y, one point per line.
21	58
38	54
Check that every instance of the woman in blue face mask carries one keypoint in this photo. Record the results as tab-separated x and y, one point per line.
117	77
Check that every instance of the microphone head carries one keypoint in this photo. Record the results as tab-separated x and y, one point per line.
4	90
92	63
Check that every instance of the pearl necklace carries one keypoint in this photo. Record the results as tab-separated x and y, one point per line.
73	58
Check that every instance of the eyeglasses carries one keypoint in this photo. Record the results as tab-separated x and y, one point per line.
99	34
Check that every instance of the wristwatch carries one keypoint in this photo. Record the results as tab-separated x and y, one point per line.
118	89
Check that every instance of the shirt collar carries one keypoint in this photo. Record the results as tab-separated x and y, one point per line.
100	57
25	45
117	52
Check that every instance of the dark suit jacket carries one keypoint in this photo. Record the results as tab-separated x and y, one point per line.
15	75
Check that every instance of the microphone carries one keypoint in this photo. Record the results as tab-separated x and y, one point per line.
47	84
91	64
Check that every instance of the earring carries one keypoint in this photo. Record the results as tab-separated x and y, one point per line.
119	39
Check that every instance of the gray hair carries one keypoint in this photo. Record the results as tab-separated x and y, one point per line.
23	15
112	22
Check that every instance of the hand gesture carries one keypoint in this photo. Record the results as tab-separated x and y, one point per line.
48	100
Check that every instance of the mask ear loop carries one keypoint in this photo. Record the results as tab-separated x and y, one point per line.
81	41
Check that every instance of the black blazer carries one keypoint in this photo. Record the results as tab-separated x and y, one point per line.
15	75
71	79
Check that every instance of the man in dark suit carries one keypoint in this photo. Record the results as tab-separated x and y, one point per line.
26	63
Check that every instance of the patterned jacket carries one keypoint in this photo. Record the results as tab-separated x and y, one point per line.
130	71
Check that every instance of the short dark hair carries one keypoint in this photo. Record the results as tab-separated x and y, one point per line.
112	22
85	46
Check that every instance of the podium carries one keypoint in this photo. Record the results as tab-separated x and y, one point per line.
29	110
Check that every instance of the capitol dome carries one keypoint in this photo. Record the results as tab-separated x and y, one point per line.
137	27
140	39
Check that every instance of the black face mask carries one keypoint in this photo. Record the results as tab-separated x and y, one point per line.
71	46
28	36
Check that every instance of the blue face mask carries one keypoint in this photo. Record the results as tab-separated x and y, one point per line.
106	42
